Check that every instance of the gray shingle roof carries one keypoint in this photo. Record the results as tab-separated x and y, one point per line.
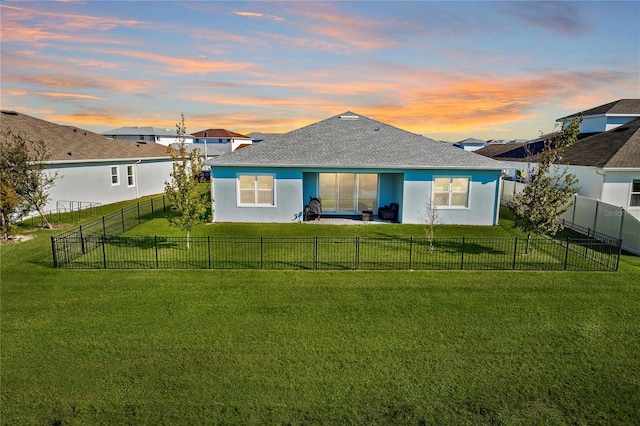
71	144
141	131
350	140
618	148
621	106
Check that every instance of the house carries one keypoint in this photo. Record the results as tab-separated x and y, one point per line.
606	163
158	135
219	141
607	117
355	164
92	168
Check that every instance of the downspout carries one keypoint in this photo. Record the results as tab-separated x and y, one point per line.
135	176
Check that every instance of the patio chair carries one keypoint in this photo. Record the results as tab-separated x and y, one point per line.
389	212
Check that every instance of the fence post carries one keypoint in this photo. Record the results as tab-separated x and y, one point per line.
104	228
164	206
155	241
104	253
209	250
619	254
357	253
122	216
622	211
515	253
81	240
315	253
566	255
410	252
573	214
462	255
261	254
53	252
152	208
138	212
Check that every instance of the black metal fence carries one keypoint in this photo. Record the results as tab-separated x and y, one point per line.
79	241
334	253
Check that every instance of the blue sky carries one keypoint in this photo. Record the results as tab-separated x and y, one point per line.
447	70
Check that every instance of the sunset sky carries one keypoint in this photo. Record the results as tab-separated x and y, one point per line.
447	70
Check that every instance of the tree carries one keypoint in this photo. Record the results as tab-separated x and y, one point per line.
429	219
188	202
24	180
550	188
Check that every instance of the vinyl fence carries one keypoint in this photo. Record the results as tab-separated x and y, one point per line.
589	216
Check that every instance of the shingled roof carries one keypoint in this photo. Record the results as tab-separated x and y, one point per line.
350	140
70	144
619	107
616	148
219	133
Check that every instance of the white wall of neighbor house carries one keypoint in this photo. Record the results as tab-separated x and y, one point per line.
92	182
617	189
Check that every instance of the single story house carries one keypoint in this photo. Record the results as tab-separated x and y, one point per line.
355	164
606	162
92	168
162	136
214	142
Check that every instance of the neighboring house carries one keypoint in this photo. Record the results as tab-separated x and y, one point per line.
608	116
470	144
92	168
214	142
354	164
607	164
160	136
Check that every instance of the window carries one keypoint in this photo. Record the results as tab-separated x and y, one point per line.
451	192
115	175
256	190
348	192
635	194
130	180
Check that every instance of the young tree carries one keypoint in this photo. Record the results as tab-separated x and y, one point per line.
547	195
24	180
429	219
188	202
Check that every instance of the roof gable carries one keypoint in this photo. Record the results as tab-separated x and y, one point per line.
619	107
219	133
350	140
70	144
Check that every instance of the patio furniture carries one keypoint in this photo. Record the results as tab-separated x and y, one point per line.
389	212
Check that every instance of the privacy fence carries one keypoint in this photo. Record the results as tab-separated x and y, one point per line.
99	245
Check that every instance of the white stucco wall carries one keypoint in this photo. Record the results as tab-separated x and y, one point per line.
616	189
91	182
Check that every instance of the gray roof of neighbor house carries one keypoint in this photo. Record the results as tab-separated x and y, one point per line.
619	107
350	140
616	148
70	144
143	131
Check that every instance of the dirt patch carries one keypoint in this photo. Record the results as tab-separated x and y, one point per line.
17	239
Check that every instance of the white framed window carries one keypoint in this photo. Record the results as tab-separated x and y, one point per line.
256	190
451	192
131	181
634	200
115	175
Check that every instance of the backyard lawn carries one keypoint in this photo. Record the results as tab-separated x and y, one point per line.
307	347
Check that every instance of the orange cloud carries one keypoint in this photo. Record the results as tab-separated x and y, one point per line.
69	95
178	65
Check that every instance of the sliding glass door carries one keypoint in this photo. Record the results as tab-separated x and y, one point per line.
348	192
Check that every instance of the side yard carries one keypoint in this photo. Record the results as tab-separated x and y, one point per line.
299	347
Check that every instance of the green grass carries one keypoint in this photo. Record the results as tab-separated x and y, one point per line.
308	347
